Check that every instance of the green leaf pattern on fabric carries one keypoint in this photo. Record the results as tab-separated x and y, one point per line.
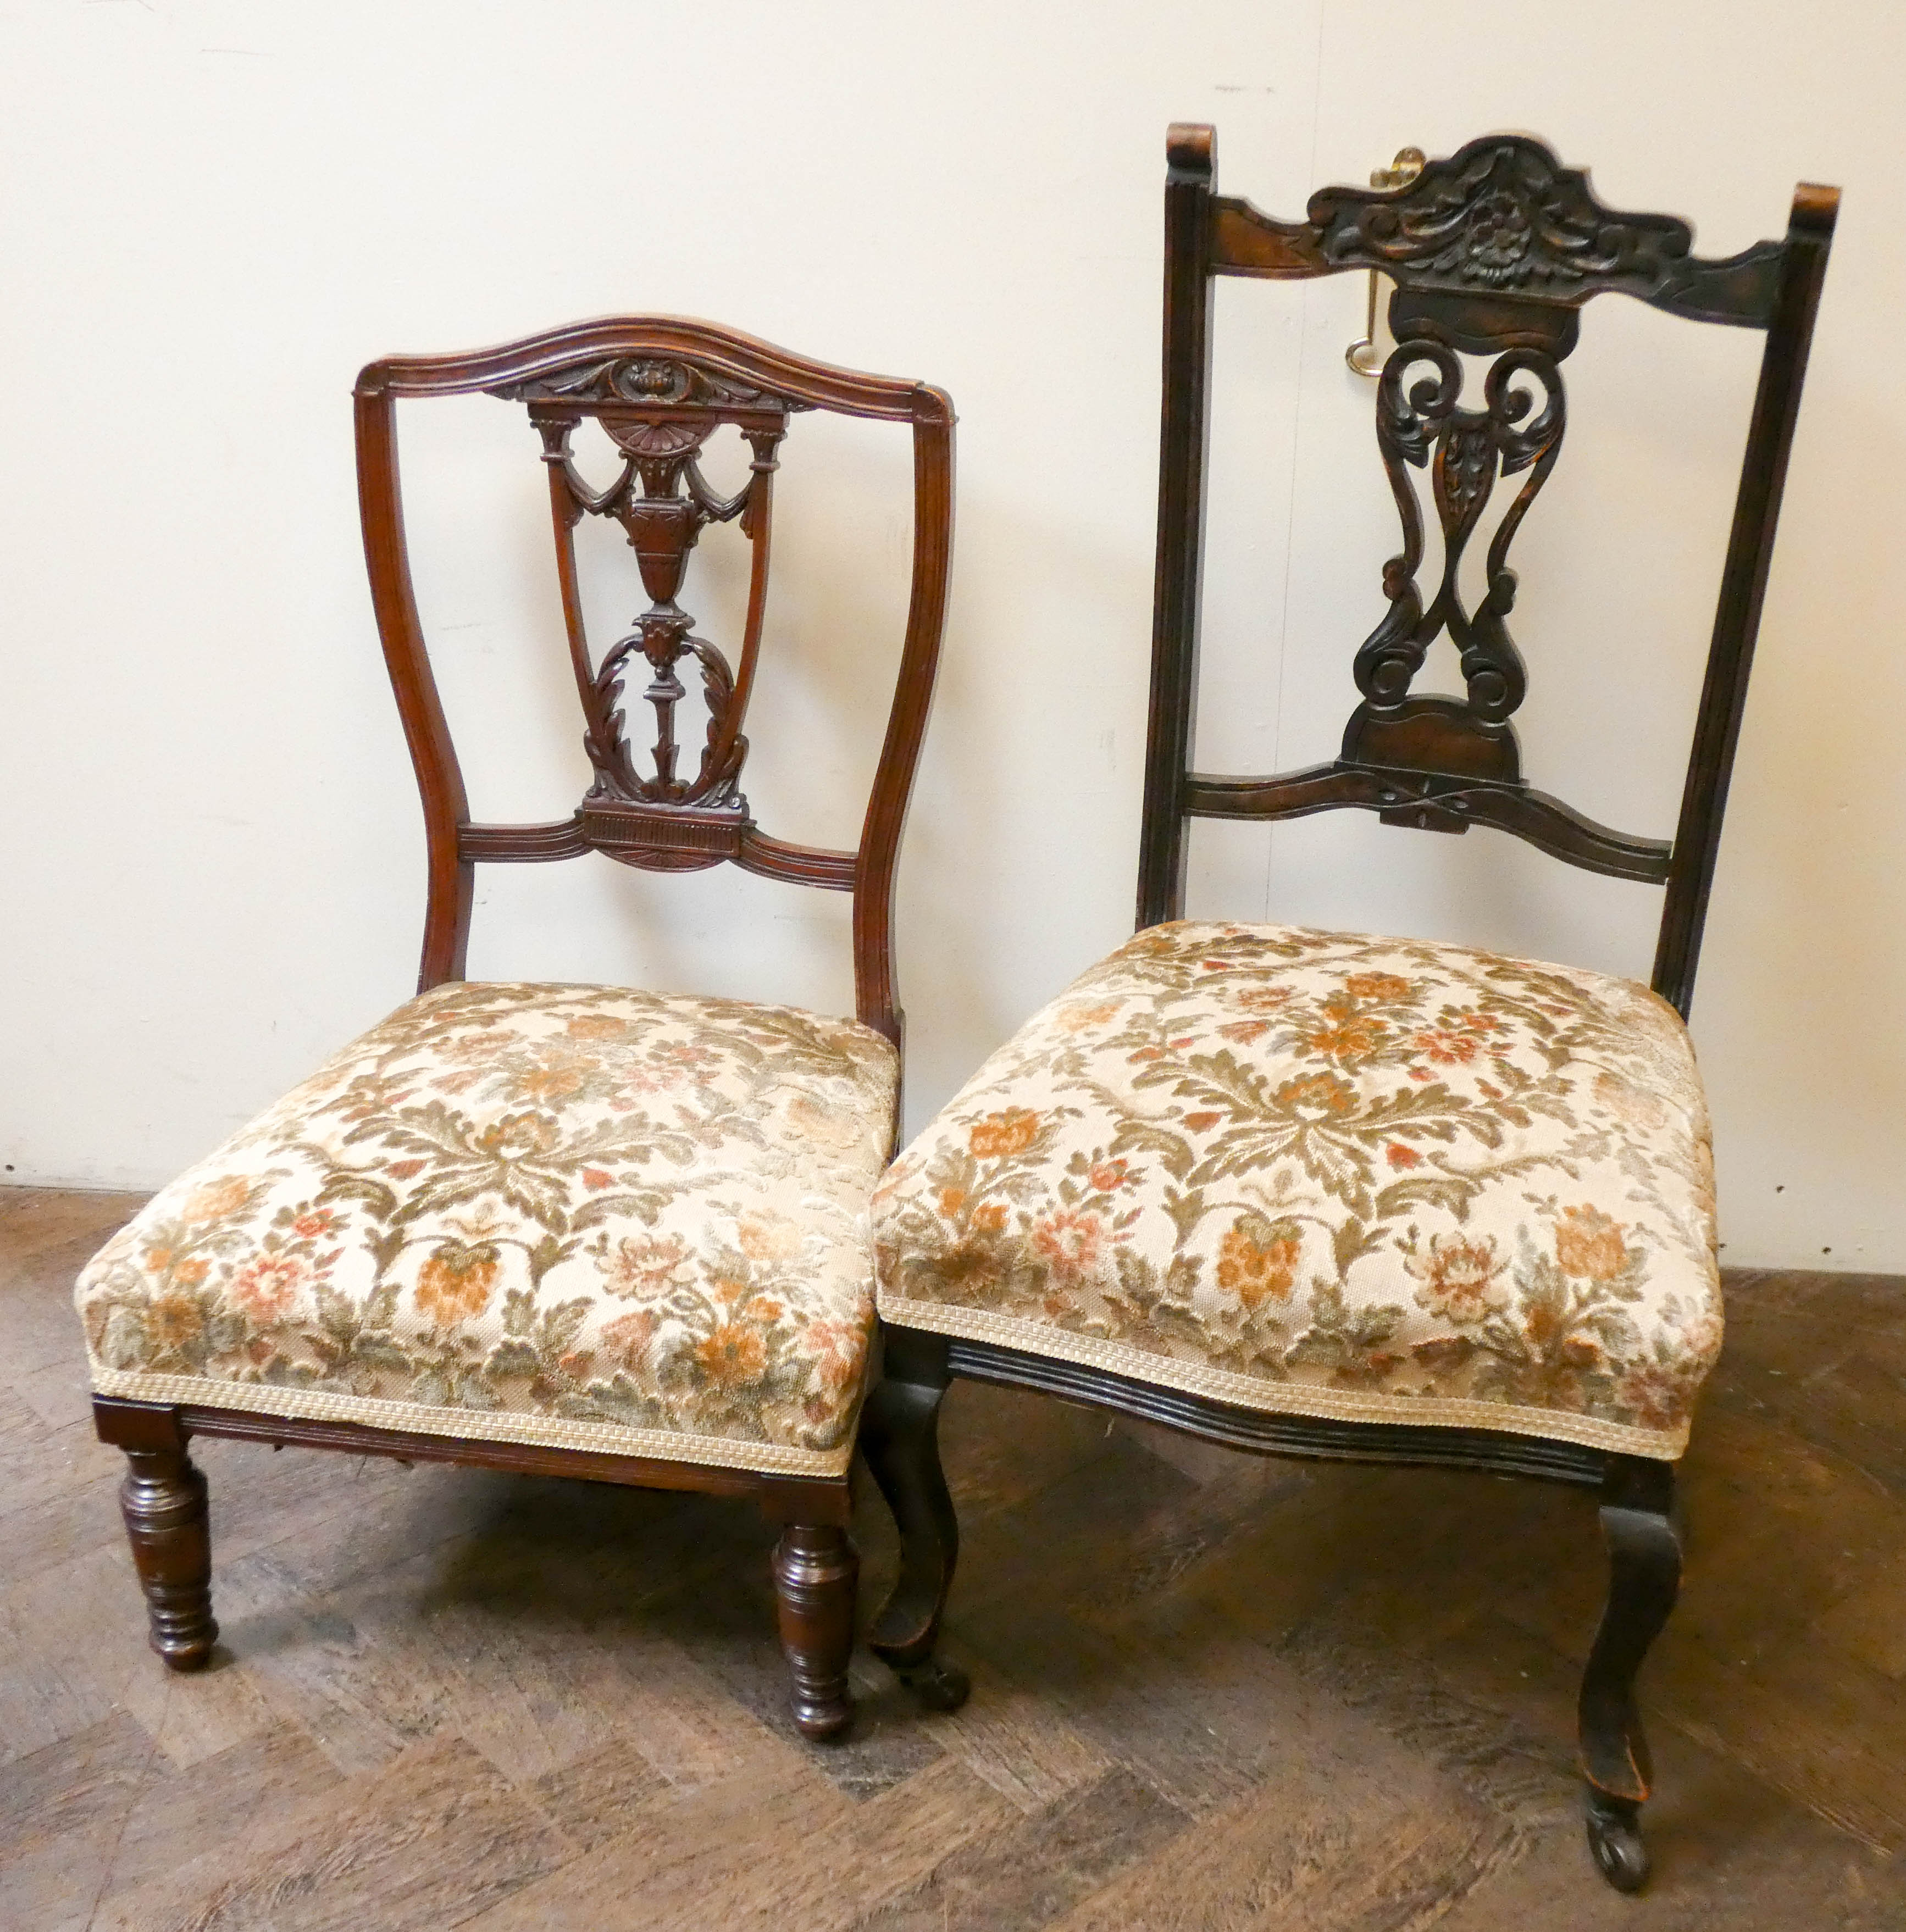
608	1206
1304	1162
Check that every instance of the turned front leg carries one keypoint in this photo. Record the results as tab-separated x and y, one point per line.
162	1500
815	1571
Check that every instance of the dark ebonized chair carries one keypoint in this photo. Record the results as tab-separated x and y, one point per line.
1335	1195
574	1230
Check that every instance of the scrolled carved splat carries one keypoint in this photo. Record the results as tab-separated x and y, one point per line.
1421	424
659	414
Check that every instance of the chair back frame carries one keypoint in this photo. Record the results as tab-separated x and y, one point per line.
659	386
1493	251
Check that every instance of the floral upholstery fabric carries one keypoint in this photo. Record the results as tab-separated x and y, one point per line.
570	1215
1365	1178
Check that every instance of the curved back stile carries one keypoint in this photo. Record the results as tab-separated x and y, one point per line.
1494	252
658	386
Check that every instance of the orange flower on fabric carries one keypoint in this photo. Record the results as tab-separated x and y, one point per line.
732	1356
265	1287
1588	1243
173	1320
644	1265
1378	987
626	1338
1070	1241
1657	1393
596	1026
1011	1131
1315	1094
767	1237
456	1283
1076	1019
217	1199
1346	1035
554	1081
1446	1046
1462	1278
1256	1262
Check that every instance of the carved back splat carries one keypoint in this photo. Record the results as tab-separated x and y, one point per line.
659	413
1493	251
1422	423
660	387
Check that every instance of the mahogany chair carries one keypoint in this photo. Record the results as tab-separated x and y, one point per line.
1332	1195
573	1230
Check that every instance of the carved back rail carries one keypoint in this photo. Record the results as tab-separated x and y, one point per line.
660	387
1493	252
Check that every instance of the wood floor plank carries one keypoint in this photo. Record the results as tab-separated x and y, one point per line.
436	1838
808	1856
1823	1728
62	1809
180	1813
37	1706
1869	1623
595	1797
41	1463
1016	1737
679	1853
1027	1875
1307	1850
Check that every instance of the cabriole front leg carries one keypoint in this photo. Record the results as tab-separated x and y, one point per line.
1644	1554
899	1436
162	1500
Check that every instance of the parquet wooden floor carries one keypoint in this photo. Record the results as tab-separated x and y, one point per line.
1209	1691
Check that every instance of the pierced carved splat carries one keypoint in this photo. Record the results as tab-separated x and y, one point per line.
660	413
1421	424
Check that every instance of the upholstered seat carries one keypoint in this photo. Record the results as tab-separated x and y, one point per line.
1372	1179
575	1216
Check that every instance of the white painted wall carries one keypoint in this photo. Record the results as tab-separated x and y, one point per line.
215	210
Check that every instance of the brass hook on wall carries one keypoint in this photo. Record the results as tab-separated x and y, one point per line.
1361	355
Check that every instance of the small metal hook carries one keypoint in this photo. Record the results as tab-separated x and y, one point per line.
1361	356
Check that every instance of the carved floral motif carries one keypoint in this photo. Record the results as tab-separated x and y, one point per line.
1502	215
655	380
